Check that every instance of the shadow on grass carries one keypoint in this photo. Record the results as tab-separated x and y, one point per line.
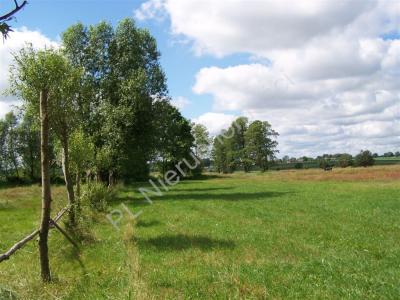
146	224
203	190
201	195
221	196
182	242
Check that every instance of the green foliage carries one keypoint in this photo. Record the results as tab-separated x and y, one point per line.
174	141
261	144
97	196
365	159
81	152
5	29
201	140
299	165
244	146
222	154
325	163
123	80
345	160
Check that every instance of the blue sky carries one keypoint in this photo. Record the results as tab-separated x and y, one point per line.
180	64
324	74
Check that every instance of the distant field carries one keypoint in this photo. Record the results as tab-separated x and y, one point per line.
388	158
305	234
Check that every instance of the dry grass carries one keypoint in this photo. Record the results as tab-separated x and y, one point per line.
376	173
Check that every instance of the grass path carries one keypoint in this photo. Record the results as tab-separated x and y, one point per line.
295	234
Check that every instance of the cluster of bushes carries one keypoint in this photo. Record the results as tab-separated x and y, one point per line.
363	159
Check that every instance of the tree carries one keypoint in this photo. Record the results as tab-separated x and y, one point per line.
38	77
174	141
220	154
5	29
201	140
3	150
260	141
123	80
388	154
81	152
345	160
11	143
365	159
237	143
64	121
201	145
29	146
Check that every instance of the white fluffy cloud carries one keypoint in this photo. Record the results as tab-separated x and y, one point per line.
258	26
12	44
180	102
331	81
215	122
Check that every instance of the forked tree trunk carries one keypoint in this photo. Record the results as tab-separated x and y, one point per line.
46	192
67	177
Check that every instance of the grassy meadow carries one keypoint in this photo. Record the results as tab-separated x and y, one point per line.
276	235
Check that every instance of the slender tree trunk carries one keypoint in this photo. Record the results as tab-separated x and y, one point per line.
32	163
67	177
98	176
78	184
46	191
88	177
78	192
110	178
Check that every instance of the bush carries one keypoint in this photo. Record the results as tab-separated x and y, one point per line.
298	165
97	196
345	160
15	180
365	159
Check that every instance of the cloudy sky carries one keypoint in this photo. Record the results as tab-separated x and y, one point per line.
325	74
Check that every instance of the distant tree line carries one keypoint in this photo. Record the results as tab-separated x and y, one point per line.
363	159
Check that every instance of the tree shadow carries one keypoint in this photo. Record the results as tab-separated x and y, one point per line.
203	190
205	177
146	224
221	196
181	242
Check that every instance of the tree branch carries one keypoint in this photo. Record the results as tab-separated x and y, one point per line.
17	8
30	237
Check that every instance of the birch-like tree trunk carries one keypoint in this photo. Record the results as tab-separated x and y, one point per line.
67	177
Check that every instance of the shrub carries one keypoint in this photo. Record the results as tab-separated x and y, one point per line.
345	160
97	196
298	165
365	159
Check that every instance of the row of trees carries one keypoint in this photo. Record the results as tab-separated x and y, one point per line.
244	145
363	159
110	90
19	148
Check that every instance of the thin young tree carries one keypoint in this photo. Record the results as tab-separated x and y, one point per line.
37	77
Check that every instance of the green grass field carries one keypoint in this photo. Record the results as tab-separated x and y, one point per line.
289	234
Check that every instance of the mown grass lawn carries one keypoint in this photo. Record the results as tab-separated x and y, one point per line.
292	234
